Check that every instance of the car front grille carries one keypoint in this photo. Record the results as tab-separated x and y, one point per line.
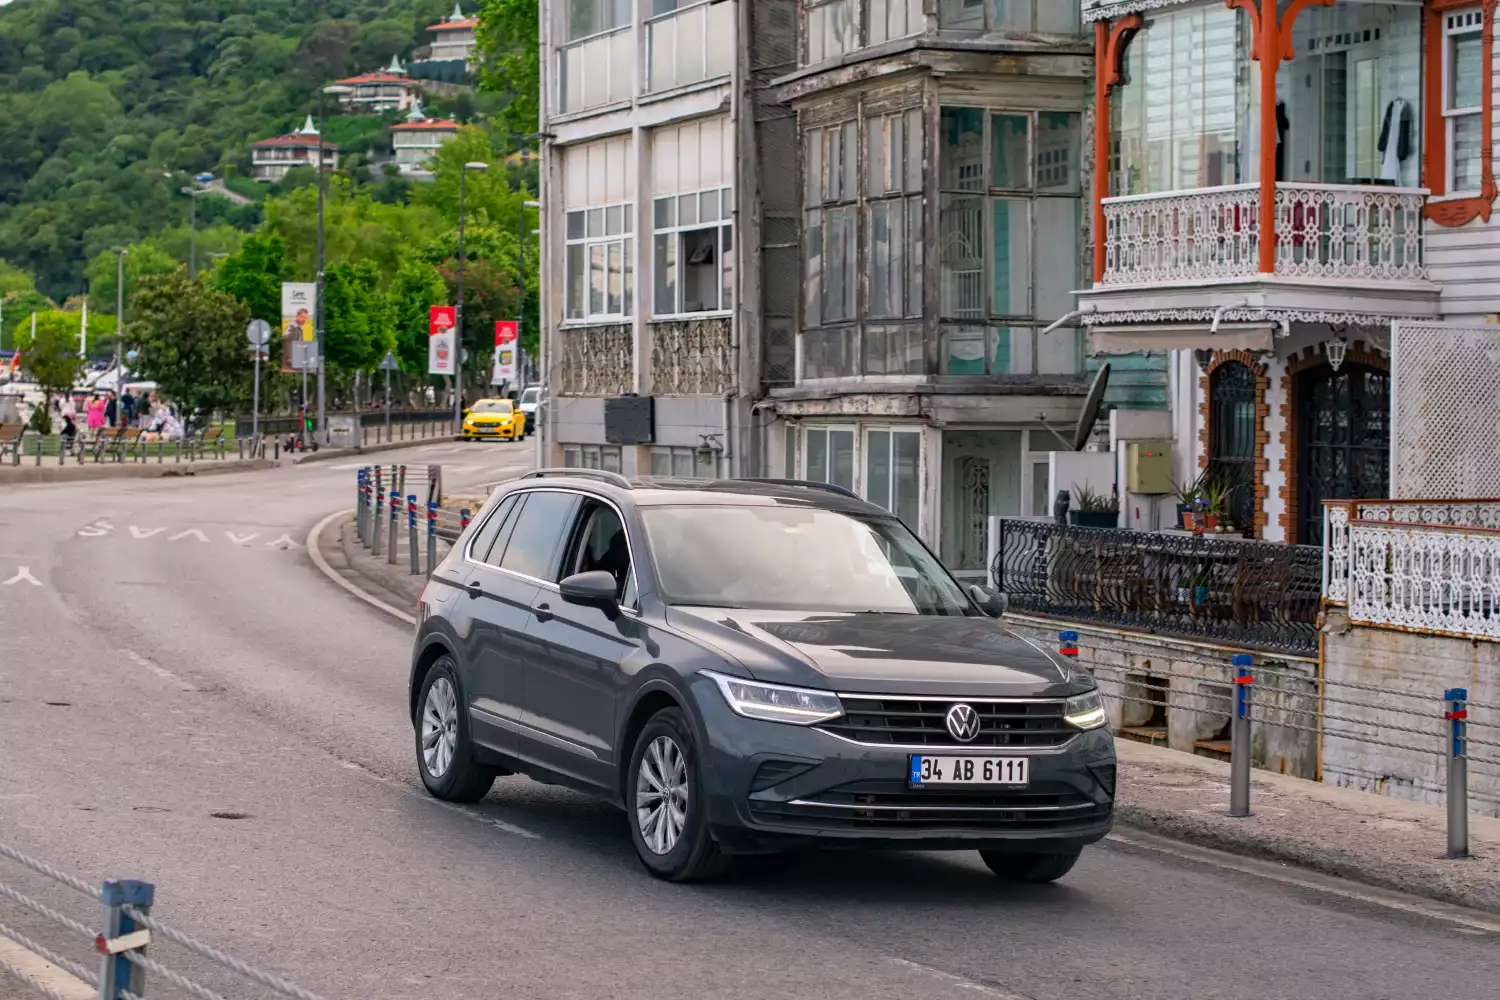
900	722
853	807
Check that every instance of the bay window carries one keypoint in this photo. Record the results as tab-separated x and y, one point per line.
694	253
831	248
591	17
1463	101
1061	16
600	274
832	29
1010	218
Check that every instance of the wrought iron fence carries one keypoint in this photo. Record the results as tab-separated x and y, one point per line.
1256	594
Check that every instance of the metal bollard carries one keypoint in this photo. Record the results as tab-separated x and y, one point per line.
1067	644
463	519
1239	738
395	539
411	534
359	504
431	538
376	514
1458	771
121	934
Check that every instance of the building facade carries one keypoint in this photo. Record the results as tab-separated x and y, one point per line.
415	141
453	39
376	93
271	159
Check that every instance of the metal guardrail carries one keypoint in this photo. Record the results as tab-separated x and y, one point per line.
125	942
1446	724
1257	594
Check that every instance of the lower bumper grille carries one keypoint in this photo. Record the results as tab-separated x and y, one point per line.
996	811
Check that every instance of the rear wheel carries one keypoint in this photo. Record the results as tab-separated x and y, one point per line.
664	798
1030	867
445	754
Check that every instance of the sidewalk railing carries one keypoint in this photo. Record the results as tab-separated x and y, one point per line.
1259	703
126	942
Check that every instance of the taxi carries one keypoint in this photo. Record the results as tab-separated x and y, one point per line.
492	419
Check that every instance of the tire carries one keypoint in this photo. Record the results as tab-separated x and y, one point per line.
1031	869
445	754
692	855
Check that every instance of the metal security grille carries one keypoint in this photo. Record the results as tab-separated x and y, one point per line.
1445	411
1232	452
1345	441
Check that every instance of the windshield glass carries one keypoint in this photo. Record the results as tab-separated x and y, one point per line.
491	406
796	559
530	395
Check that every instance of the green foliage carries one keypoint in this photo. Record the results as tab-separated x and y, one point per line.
191	338
416	288
14	281
356	323
51	354
254	276
18	308
508	40
141	260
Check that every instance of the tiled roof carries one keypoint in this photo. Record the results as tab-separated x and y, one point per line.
380	76
468	22
294	140
428	125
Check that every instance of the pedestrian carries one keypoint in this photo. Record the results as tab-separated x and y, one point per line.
127	404
146	405
111	410
69	431
96	417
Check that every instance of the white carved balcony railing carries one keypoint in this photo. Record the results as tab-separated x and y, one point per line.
690	45
1343	231
595	71
1420	565
596	360
1203	233
691	357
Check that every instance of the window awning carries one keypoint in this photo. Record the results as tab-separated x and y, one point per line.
1181	337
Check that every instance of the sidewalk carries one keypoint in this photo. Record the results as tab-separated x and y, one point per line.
374	576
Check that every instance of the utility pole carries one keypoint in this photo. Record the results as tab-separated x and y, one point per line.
322	185
458	312
120	323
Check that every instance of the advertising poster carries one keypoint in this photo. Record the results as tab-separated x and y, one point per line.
507	333
299	331
442	341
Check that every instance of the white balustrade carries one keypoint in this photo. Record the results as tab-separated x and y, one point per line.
1182	235
1345	231
1425	578
595	71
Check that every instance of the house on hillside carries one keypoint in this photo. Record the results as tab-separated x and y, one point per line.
453	39
271	159
384	90
415	141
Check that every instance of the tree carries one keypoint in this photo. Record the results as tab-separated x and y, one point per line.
510	44
14	281
416	288
356	327
141	261
254	276
51	355
191	338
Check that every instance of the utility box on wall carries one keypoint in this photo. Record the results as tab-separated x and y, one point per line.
630	420
1148	467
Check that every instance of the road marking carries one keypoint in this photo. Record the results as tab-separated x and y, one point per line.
498	824
332	574
1316	881
96	530
140	533
22	575
160	671
191	531
235	539
957	982
285	541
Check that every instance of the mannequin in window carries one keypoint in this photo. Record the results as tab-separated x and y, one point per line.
1395	140
1282	125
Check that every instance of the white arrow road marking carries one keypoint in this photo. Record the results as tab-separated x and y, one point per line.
96	530
285	542
191	531
145	532
241	539
23	574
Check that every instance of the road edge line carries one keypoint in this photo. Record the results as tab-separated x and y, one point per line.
313	537
36	972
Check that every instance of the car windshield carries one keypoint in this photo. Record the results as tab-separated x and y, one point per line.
796	558
491	406
530	395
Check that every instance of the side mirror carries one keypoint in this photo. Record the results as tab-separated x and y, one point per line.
989	602
594	589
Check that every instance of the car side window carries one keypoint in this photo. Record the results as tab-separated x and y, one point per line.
538	534
601	545
484	539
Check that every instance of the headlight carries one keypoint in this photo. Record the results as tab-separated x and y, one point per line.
774	703
1085	711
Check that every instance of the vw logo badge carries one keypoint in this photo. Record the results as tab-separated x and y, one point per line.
963	723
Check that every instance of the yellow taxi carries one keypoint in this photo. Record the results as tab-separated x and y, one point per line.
491	419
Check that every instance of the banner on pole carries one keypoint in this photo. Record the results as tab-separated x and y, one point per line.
507	332
442	341
299	332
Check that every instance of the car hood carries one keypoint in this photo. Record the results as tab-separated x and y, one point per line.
489	418
884	654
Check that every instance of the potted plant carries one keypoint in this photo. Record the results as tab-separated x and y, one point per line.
1095	510
1188	502
1215	494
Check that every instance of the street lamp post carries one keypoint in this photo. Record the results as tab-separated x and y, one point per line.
458	312
120	328
322	367
193	232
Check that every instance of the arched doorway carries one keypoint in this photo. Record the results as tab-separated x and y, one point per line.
1343	440
1231	451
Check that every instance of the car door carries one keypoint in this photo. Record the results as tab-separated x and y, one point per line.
498	607
575	679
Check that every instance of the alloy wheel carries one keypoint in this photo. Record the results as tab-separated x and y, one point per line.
661	795
439	727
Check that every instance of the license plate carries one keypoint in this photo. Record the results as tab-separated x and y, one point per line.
926	770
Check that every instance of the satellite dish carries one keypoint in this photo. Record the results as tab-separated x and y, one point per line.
1090	415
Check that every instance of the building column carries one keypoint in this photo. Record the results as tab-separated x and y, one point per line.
1109	46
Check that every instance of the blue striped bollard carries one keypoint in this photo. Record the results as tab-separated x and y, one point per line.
1067	643
1457	717
121	934
431	538
395	500
1239	737
377	515
411	534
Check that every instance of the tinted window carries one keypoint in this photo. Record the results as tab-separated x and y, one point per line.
538	533
602	546
484	539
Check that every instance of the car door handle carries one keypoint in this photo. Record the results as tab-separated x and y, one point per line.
543	612
474	589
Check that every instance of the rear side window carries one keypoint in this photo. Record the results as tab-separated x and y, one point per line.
538	534
484	541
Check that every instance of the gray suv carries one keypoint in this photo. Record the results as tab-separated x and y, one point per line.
750	666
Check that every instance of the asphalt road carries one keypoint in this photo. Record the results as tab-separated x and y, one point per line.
198	707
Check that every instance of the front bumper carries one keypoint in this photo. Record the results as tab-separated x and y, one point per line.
771	786
489	432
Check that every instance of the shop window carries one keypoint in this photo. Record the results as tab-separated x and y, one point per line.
604	457
599	273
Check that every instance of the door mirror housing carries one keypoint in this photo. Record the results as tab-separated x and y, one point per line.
594	589
989	602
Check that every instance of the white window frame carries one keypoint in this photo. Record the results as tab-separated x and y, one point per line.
604	457
1459	22
567	22
807	430
863	453
701	469
624	239
723	224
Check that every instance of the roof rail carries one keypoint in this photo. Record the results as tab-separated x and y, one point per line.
805	483
613	478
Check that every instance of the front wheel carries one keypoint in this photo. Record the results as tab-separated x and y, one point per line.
1030	868
445	754
664	797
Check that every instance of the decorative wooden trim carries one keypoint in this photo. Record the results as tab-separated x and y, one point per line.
1460	211
1358	352
1262	433
1109	48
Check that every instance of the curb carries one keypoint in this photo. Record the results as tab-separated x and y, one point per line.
313	538
22	475
327	454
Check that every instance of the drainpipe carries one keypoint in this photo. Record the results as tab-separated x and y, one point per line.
1219	315
1070	317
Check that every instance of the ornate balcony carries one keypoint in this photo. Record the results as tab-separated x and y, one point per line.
596	360
691	357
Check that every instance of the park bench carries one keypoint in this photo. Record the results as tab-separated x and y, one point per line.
10	442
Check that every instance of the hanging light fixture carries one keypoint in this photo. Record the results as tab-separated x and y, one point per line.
1204	357
1335	349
